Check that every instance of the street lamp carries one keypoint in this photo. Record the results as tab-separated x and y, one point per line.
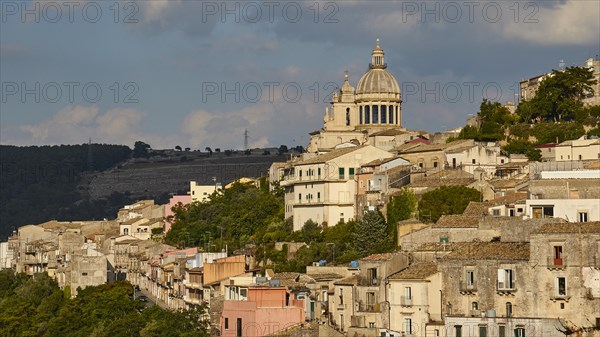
333	244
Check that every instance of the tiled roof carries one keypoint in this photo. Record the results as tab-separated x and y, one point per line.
348	281
328	156
436	247
325	276
569	228
507	183
437	182
388	133
416	271
489	251
457	221
475	208
379	257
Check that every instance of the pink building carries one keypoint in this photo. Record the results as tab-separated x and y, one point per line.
183	199
259	311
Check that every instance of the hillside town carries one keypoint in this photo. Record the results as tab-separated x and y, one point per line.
523	260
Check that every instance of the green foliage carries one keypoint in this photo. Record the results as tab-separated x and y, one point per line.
371	234
400	207
45	179
241	214
559	96
493	118
521	146
37	307
446	200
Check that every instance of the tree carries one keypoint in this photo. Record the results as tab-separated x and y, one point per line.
178	148
283	149
401	207
209	150
525	147
140	149
559	96
446	200
370	233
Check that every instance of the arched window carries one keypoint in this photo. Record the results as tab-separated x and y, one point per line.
367	114
347	116
391	119
384	114
360	114
375	114
508	309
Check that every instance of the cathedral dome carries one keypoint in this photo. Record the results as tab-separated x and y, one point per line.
378	83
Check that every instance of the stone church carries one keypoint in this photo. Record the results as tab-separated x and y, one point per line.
355	114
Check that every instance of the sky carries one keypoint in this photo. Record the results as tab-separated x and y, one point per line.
198	73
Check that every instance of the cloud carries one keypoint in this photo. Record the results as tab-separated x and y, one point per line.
567	23
77	124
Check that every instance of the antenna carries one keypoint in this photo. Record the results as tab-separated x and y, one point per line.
90	157
245	139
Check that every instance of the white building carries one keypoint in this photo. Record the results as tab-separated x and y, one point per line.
579	149
323	188
202	193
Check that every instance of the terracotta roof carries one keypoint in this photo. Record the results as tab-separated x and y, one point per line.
348	281
475	208
379	257
489	251
437	182
457	221
328	156
436	247
418	271
325	276
569	228
388	133
507	183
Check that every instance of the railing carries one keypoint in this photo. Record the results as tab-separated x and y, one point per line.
466	287
369	307
556	263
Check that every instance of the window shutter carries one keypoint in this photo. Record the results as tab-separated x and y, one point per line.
501	279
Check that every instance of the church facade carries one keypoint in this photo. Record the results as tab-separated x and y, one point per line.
374	106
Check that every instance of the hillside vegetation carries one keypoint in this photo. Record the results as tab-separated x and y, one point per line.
555	114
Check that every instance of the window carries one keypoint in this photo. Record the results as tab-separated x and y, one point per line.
347	116
318	196
371	324
561	286
436	333
367	114
458	331
370	300
506	279
558	260
372	276
351	172
83	274
474	306
508	309
391	119
243	292
408	325
501	331
496	212
540	212
473	161
483	331
239	327
470	279
435	164
383	114
520	332
360	114
375	114
341	297
444	239
582	216
341	173
319	172
299	197
226	323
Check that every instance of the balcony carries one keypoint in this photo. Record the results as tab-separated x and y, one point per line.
556	264
506	289
406	301
475	313
468	288
369	307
